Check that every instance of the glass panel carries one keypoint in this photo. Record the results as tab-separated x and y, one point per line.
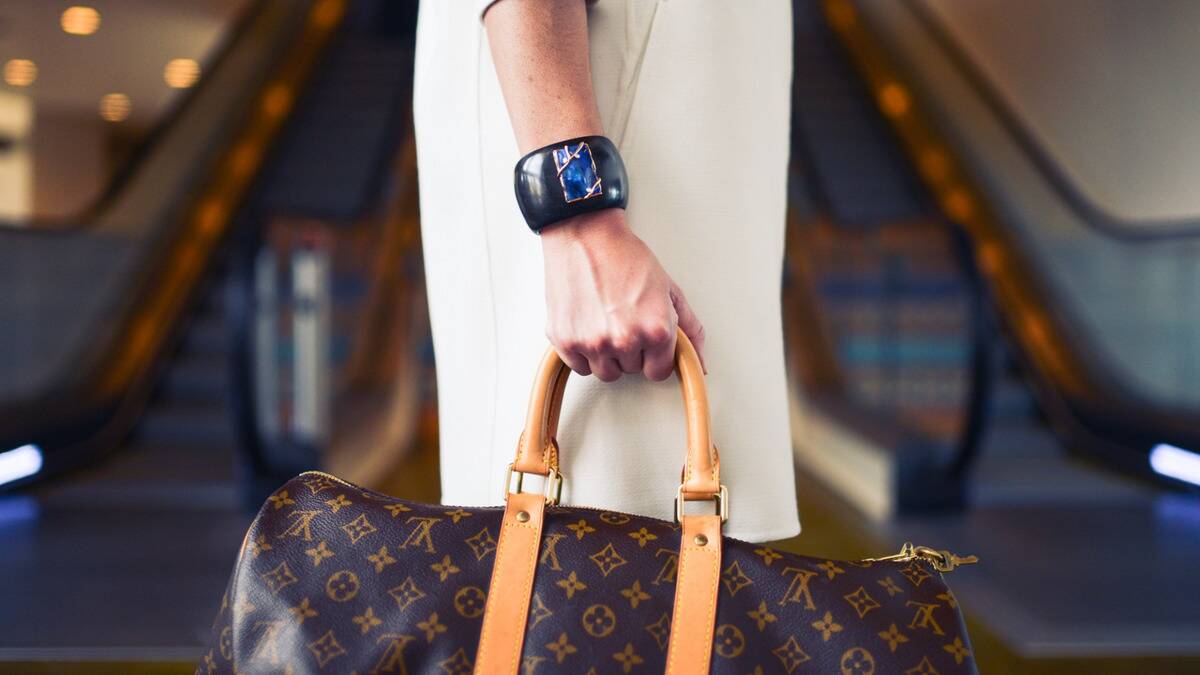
84	86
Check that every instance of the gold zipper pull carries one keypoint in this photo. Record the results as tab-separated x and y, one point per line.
907	552
942	561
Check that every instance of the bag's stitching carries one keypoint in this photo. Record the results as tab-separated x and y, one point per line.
715	579
489	610
712	603
671	646
530	567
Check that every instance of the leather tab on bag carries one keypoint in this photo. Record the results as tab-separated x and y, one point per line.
536	450
697	582
511	587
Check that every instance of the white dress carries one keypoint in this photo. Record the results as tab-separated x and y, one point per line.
696	94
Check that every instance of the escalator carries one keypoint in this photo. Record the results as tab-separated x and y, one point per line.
961	376
128	395
988	355
84	346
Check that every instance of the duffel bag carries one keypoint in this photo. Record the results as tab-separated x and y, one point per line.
334	578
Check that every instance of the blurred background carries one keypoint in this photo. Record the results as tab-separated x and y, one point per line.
210	280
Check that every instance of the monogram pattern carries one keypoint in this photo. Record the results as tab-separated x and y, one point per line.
333	578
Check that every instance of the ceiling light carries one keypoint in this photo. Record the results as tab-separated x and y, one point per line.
20	72
181	73
79	20
115	107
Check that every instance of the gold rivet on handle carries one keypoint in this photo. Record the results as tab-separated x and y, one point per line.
522	517
700	540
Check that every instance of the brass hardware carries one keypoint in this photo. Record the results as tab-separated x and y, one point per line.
552	490
700	540
522	516
942	561
721	500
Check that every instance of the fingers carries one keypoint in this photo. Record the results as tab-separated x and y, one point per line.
606	368
574	360
660	354
629	353
689	323
648	350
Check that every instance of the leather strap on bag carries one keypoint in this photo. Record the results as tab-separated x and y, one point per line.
697	581
698	578
507	606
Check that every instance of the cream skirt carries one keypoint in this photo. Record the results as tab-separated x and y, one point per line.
696	94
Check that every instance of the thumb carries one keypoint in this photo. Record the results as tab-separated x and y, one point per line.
689	323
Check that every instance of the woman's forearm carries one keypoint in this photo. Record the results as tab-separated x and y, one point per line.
540	48
610	306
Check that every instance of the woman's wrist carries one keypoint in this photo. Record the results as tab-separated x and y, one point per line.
586	228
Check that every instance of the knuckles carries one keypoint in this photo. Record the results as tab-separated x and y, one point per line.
658	335
603	350
613	342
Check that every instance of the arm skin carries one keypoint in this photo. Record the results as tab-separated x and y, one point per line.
610	306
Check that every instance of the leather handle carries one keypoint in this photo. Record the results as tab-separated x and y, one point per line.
537	451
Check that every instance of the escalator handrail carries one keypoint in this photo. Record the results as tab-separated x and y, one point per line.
1085	208
1087	401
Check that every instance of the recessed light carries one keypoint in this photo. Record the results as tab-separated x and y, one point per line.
115	107
80	20
20	72
181	73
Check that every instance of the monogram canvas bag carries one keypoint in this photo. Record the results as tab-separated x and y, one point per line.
333	578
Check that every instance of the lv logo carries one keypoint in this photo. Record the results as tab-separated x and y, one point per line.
549	550
420	534
798	589
667	571
268	641
301	525
924	616
392	660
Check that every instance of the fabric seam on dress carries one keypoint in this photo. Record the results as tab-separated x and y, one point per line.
629	94
487	245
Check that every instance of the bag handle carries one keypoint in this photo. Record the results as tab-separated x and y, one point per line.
537	449
698	570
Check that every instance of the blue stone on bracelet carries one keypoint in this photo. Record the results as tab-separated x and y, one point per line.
577	172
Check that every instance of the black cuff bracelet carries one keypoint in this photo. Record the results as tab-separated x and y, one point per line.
569	178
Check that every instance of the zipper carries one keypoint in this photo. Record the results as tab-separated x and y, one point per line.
549	506
942	561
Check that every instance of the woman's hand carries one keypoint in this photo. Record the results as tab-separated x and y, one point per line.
610	306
